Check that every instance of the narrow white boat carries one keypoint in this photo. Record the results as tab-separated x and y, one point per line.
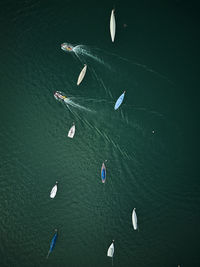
71	131
134	219
82	74
111	249
112	25
54	191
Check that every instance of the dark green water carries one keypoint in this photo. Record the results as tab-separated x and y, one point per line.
156	60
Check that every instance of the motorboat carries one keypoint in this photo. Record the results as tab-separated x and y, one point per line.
67	47
59	96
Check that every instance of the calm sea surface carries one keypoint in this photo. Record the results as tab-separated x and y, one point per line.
151	142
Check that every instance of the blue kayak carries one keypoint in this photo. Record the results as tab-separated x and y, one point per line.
103	173
53	242
119	101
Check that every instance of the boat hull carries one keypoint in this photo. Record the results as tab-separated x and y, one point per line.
53	242
110	251
53	191
71	132
103	173
112	26
119	101
82	75
134	219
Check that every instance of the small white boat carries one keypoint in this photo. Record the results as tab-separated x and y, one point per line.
82	74
134	219
111	249
54	191
112	25
71	131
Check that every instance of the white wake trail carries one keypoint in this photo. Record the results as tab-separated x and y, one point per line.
73	104
84	51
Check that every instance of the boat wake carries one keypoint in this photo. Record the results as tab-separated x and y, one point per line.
60	96
84	54
76	105
82	50
120	71
135	63
90	125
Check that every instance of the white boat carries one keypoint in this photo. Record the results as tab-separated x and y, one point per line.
71	131
112	25
134	219
111	249
82	74
54	191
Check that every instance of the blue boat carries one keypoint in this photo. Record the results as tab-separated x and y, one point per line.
53	242
119	100
103	173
